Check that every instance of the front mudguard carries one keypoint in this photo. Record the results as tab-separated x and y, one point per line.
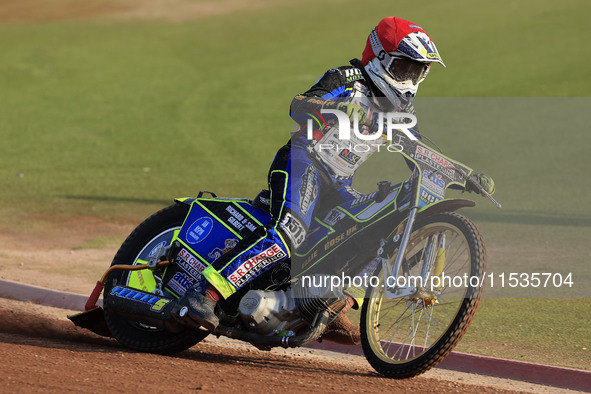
449	205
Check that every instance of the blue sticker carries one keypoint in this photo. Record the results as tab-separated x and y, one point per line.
180	283
199	230
156	302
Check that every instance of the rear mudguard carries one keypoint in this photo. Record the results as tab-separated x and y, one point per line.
185	200
189	200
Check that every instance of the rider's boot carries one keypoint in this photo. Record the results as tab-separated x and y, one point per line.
200	307
341	330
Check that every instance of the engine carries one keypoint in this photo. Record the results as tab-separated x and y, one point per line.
285	312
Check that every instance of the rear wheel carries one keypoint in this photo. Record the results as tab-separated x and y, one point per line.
142	244
403	337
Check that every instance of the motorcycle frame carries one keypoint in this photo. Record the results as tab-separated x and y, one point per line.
427	163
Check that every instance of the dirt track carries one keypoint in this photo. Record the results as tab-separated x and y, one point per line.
41	351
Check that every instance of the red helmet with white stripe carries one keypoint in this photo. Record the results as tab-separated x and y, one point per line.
397	57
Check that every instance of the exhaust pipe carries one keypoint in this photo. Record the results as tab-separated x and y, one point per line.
160	312
142	307
263	342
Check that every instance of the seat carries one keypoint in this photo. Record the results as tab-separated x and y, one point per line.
262	201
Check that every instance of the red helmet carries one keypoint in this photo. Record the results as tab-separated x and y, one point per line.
397	57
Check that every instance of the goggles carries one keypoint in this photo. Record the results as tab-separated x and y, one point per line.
403	69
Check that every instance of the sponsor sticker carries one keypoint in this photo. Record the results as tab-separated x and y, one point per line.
433	182
229	244
433	55
435	160
252	266
333	217
427	197
238	220
190	263
151	299
339	238
349	156
363	200
310	258
353	74
180	283
199	230
308	190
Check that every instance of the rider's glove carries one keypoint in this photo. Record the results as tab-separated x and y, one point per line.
483	180
350	110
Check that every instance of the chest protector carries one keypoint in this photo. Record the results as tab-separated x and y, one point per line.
344	156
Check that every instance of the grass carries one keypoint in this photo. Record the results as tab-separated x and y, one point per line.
548	331
116	118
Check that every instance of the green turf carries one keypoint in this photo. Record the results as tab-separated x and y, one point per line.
548	331
115	118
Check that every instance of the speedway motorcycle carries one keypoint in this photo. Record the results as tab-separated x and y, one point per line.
407	239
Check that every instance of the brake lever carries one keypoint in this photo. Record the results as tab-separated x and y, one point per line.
481	190
486	194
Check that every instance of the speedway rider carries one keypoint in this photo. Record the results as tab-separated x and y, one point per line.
396	58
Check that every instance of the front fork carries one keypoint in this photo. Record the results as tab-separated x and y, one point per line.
392	273
433	263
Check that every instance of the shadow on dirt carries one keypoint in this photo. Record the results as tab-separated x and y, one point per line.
279	363
119	199
39	331
32	325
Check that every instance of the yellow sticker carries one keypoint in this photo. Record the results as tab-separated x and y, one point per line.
160	304
142	279
433	55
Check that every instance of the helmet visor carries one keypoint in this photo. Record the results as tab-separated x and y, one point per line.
408	70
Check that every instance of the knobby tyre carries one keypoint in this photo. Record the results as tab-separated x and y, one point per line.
404	337
143	243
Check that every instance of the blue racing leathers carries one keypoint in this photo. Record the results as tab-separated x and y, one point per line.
296	181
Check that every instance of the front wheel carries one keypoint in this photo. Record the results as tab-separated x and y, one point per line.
142	244
403	337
